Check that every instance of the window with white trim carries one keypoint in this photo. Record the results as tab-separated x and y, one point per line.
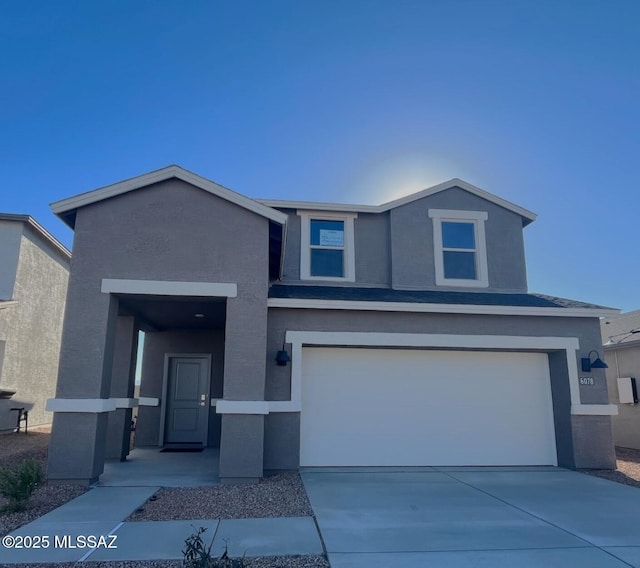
327	246
460	250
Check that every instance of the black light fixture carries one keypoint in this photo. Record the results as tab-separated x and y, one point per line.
598	363
282	358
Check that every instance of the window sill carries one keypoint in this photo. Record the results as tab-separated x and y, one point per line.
328	278
459	283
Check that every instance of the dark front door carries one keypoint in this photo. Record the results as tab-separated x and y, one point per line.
187	401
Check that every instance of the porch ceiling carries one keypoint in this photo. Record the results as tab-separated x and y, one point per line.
161	313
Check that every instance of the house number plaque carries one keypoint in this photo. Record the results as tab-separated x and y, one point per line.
587	381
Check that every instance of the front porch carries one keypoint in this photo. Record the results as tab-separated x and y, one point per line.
196	349
151	467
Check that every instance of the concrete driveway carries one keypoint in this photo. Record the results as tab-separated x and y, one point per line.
464	517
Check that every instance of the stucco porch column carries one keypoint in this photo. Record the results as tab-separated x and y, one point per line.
242	436
81	406
122	387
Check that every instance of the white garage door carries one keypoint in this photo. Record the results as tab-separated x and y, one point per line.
385	407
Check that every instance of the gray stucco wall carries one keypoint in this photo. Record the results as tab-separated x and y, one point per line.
372	250
10	237
372	238
579	439
156	345
32	328
624	362
291	264
413	263
169	231
395	248
122	386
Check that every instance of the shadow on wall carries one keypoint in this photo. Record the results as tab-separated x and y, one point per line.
9	417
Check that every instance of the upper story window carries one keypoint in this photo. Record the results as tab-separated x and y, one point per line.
326	248
460	250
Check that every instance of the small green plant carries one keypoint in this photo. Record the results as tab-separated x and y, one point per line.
18	485
198	555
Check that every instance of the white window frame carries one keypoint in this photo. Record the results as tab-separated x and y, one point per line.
305	245
477	219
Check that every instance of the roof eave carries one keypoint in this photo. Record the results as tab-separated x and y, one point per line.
621	345
65	208
426	307
526	215
39	229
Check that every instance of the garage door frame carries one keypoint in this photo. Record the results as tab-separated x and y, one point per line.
546	344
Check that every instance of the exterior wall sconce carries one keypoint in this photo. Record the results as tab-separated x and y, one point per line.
598	363
282	358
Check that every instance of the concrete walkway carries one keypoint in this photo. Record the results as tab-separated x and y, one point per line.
123	488
100	512
427	517
461	517
148	466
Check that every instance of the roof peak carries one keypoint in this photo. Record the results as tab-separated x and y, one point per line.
527	216
66	208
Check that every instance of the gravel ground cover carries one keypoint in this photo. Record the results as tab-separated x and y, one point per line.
14	448
280	495
275	496
627	469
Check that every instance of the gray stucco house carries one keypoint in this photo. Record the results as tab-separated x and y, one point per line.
621	338
411	335
34	271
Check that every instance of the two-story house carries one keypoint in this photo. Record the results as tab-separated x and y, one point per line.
34	271
297	334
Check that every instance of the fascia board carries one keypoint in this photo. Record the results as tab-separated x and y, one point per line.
621	345
455	182
265	207
57	245
319	206
65	205
436	308
30	222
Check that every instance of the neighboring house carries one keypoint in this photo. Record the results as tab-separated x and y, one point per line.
621	338
412	337
34	271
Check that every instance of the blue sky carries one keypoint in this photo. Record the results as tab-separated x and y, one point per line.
354	101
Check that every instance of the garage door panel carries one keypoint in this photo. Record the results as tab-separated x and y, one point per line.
412	407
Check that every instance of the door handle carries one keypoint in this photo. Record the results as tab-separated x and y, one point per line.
203	399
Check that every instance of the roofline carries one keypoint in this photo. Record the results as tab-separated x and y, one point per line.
424	307
71	203
527	215
622	345
29	220
321	206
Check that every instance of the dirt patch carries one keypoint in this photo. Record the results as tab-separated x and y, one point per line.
14	449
